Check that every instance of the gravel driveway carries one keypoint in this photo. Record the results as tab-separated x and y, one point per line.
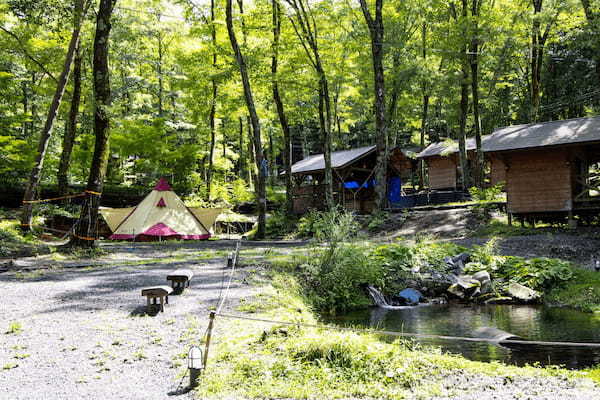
85	334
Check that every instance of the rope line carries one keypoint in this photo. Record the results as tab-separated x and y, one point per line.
70	196
416	335
84	237
233	257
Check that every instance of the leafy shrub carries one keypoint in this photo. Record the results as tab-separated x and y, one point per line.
582	291
536	273
337	285
278	224
240	192
377	220
309	224
487	194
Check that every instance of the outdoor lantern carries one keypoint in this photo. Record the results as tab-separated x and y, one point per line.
194	365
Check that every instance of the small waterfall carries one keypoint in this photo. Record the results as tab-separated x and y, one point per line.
380	301
377	297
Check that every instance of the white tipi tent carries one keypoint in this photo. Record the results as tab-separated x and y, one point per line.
161	214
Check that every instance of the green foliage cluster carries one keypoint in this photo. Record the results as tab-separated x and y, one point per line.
337	273
12	241
581	292
280	225
541	274
376	220
491	193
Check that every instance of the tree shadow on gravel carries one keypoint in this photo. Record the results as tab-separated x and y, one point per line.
121	290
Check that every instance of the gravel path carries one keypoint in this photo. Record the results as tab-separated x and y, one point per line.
85	333
467	386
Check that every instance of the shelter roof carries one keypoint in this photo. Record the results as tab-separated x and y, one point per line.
339	159
446	147
542	134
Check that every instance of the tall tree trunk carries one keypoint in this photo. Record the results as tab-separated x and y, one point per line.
213	103
535	60
70	129
425	109
85	232
306	30
376	31
261	195
241	159
159	72
251	156
287	142
36	172
464	107
391	110
25	102
325	124
474	50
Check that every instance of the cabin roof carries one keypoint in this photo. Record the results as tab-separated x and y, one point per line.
343	158
542	134
445	148
339	159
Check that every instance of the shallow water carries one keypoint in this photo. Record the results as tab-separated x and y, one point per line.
529	322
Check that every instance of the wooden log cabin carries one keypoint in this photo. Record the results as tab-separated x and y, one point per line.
552	169
353	177
443	166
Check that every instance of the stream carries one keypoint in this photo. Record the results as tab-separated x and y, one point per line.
531	322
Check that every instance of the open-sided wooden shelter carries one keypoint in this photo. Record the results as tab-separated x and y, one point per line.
353	177
552	169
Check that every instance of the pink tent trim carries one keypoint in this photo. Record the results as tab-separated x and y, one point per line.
121	236
161	203
162	185
160	229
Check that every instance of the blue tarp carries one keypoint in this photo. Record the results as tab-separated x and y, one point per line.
356	185
395	189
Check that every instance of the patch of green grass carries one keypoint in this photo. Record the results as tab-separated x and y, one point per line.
21	356
8	366
581	292
139	355
14	243
30	274
499	227
14	328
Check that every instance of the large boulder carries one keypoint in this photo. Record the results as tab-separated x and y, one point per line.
485	279
457	263
465	286
522	293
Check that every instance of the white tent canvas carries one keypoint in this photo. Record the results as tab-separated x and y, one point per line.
161	214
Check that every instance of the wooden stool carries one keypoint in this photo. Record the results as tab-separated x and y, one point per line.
157	292
181	278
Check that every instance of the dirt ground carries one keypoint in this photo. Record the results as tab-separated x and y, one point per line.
460	225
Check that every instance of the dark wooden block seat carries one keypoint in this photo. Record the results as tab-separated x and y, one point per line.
181	278
157	292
